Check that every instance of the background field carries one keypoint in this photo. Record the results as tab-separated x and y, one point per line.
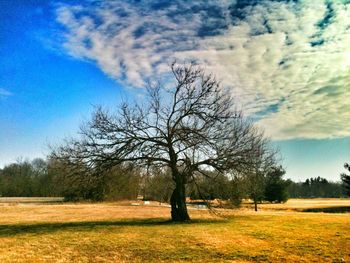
31	231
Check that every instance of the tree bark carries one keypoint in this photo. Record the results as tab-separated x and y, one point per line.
178	201
255	204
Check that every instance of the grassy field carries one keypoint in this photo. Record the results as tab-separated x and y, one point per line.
120	232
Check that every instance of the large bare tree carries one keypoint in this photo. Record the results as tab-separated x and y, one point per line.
191	128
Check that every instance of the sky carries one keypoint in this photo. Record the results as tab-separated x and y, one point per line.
286	62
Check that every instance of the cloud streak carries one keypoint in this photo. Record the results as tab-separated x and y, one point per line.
5	93
288	62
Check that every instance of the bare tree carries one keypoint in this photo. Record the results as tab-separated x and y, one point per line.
255	176
190	128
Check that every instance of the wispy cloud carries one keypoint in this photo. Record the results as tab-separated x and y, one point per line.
287	61
5	93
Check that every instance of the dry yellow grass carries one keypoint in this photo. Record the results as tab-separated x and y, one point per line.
111	232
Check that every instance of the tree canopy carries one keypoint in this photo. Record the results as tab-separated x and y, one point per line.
190	128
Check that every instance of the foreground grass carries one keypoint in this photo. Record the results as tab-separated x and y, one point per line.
114	233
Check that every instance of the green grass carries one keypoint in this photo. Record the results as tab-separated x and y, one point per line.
112	233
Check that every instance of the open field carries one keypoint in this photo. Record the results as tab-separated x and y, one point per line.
119	232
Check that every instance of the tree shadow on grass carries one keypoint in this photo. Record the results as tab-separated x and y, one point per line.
335	209
44	228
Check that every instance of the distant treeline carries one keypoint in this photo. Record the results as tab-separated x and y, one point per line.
42	178
26	179
315	187
53	178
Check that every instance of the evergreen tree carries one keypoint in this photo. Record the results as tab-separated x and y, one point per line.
346	180
276	186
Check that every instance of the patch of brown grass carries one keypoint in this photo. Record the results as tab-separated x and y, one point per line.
109	232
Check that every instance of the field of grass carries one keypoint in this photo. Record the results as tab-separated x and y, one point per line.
119	232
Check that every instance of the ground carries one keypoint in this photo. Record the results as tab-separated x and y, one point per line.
122	232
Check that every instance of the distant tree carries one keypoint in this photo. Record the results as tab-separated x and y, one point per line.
255	185
212	186
346	180
189	128
39	177
1	183
75	184
159	185
255	177
237	189
122	182
276	186
264	181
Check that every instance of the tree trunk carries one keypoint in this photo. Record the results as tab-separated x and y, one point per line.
255	204
178	201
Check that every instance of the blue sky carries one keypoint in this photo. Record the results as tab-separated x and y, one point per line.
286	62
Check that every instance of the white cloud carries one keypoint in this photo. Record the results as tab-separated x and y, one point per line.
288	62
5	93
